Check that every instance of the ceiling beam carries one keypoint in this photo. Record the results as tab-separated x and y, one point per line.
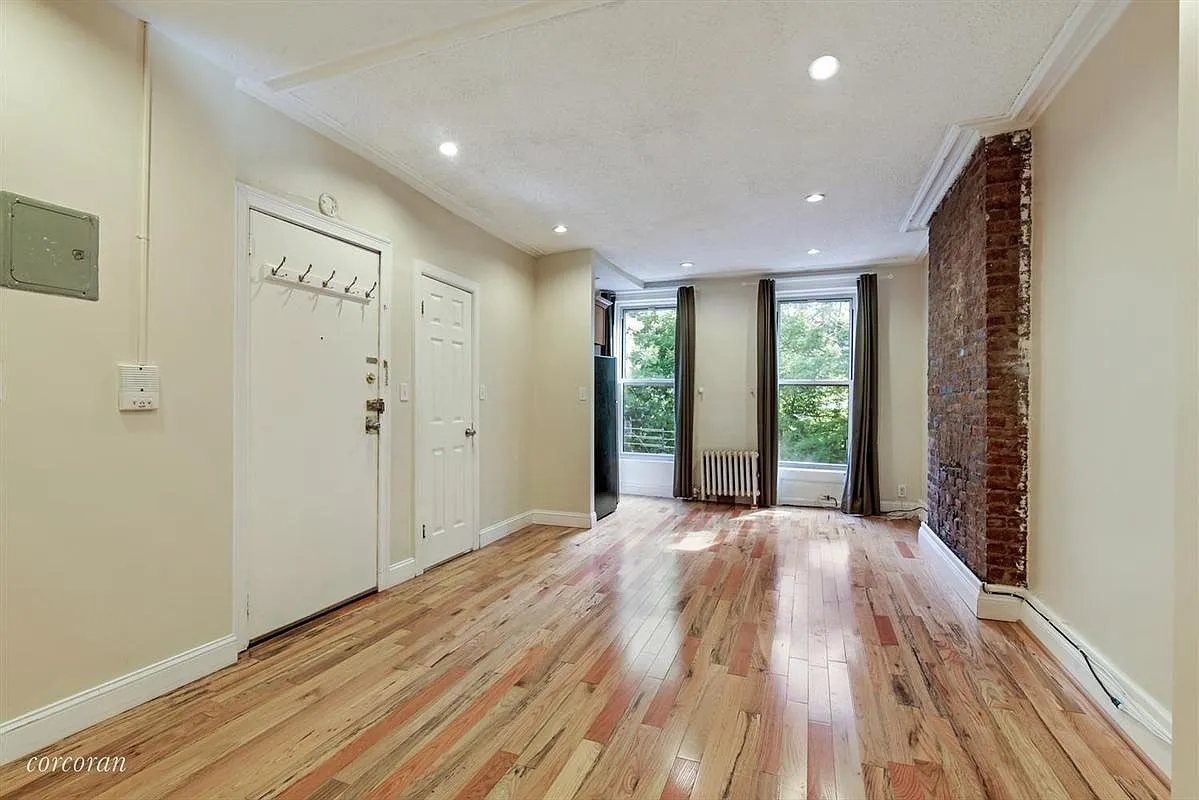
522	16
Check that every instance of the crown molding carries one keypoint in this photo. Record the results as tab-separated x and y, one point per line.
294	108
523	16
1087	24
847	268
955	150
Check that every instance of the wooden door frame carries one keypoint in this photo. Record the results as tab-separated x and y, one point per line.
425	269
252	199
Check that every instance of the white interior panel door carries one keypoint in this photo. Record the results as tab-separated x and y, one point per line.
313	466
446	430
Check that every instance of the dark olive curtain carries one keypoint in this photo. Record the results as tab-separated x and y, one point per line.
768	392
861	478
684	393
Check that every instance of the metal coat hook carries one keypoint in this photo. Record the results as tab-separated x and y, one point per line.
305	275
351	286
368	291
325	282
275	270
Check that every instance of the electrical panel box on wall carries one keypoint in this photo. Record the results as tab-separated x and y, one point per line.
48	248
139	387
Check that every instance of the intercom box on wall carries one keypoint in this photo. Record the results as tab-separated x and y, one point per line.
139	387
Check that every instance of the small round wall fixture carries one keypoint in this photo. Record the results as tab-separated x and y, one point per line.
448	149
813	251
327	204
559	228
687	265
815	197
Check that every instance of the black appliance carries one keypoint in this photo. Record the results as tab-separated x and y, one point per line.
607	438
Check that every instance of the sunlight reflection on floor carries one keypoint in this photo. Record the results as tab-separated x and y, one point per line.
694	541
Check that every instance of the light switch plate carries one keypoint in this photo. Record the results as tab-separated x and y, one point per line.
404	391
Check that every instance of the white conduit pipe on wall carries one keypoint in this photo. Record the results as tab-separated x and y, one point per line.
143	228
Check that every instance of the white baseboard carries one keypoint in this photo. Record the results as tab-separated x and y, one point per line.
397	573
889	506
499	530
48	724
964	584
647	489
566	519
1145	721
1142	718
999	603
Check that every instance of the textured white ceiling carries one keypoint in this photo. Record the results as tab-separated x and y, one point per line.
657	131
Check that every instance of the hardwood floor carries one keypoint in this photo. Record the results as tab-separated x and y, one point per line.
675	651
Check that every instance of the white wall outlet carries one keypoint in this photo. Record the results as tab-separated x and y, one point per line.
139	387
582	394
482	391
902	490
404	392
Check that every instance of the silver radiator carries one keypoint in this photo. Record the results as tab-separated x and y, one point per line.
729	473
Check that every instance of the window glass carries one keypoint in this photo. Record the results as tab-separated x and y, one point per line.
648	424
649	343
815	351
813	424
814	340
647	378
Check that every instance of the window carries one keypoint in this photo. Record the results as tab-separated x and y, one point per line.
647	380
815	351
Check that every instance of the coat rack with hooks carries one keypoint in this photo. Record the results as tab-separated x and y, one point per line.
321	283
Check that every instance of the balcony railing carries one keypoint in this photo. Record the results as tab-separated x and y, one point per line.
648	440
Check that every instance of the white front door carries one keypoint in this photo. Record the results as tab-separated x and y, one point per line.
312	467
445	469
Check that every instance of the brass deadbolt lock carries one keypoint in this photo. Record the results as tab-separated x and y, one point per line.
377	405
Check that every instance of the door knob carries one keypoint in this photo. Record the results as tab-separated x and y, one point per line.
471	431
372	425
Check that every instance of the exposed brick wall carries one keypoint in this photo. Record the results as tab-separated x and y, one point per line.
979	262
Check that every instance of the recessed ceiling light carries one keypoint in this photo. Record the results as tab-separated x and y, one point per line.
824	68
815	197
448	149
813	251
686	265
559	228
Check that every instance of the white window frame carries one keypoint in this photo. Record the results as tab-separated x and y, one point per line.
801	296
639	302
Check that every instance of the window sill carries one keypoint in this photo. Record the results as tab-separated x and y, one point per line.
813	471
646	457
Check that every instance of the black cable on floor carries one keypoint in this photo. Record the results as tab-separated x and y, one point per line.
904	511
1117	702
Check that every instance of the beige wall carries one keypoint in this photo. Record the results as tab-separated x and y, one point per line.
725	365
903	382
1186	551
560	427
117	528
116	544
726	342
1104	364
